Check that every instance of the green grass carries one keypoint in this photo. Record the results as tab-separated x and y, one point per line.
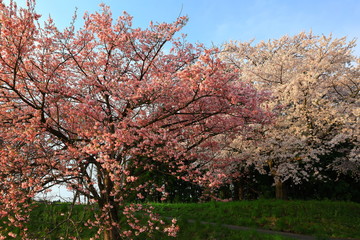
318	218
199	231
52	221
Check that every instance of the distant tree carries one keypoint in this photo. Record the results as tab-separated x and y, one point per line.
96	108
315	84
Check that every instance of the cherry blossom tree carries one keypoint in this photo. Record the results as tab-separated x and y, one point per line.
314	81
96	108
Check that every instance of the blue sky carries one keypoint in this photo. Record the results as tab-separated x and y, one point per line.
218	21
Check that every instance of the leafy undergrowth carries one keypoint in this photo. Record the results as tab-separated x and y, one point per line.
317	218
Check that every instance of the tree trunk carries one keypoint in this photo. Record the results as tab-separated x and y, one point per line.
241	192
238	191
112	212
280	190
113	232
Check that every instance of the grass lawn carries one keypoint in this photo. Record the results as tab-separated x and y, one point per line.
317	218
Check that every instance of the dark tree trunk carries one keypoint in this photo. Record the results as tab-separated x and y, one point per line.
113	232
239	190
280	190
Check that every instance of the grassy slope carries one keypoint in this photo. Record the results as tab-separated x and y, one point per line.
45	217
318	218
